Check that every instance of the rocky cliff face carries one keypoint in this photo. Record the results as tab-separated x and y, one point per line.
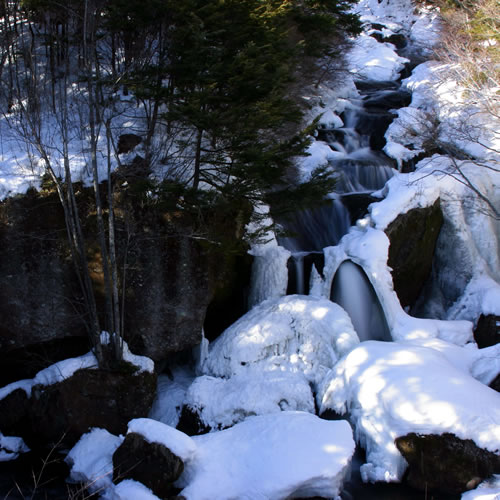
171	272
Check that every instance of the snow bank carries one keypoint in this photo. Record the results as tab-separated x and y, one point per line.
91	460
444	111
143	363
11	447
271	456
392	389
176	441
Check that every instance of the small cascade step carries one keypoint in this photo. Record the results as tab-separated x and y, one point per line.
300	266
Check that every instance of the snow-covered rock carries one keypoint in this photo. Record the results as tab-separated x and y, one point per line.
290	454
392	389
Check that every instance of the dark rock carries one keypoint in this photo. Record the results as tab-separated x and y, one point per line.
487	331
357	204
495	384
151	464
230	300
445	463
398	40
127	142
14	411
89	398
137	170
191	423
39	294
173	269
374	123
387	99
26	362
413	238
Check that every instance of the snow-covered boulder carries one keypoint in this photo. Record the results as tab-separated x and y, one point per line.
286	455
296	334
392	389
152	454
270	360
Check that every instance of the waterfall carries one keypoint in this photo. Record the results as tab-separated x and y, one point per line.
361	168
352	290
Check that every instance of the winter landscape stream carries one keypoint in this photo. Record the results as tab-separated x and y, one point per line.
326	334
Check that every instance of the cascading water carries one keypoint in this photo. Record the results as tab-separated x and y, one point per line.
361	168
352	290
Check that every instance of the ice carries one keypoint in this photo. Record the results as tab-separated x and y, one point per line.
284	455
271	359
392	389
269	273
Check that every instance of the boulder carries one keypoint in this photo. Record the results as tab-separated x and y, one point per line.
487	331
89	398
176	257
151	464
127	142
413	238
191	423
445	462
14	413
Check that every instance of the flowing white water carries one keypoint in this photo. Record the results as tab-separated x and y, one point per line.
352	290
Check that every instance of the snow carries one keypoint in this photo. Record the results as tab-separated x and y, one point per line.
285	455
64	369
293	333
223	402
487	490
91	460
271	360
170	396
11	447
143	363
26	385
392	389
176	441
372	60
132	490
